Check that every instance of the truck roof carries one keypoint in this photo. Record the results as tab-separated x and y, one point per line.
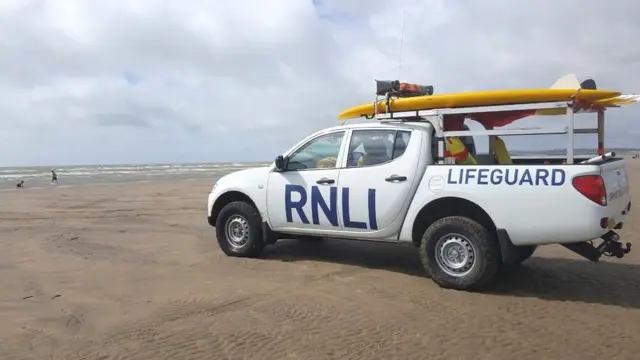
382	125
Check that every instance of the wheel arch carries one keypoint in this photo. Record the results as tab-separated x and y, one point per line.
449	206
227	198
457	206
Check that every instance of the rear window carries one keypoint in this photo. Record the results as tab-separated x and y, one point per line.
468	141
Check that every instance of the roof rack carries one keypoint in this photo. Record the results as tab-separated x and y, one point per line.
436	117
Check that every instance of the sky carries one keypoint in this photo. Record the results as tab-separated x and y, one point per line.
124	81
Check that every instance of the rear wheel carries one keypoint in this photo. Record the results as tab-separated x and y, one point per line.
459	253
239	230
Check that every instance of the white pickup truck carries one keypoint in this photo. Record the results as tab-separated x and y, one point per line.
390	181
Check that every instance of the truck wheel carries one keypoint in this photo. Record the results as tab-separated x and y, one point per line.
459	253
239	230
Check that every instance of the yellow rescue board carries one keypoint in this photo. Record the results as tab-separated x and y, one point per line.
481	98
618	100
602	103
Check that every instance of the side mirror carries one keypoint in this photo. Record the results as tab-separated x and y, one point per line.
280	163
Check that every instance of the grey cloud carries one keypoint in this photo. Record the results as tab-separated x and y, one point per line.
122	120
250	78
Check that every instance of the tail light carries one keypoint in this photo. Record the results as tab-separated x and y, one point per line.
592	187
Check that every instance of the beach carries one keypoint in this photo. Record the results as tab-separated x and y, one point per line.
110	269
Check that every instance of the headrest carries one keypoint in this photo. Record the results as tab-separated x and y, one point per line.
375	146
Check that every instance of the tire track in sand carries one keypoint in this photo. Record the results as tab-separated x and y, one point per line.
296	325
272	326
161	327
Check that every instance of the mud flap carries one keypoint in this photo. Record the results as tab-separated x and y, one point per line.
508	251
269	237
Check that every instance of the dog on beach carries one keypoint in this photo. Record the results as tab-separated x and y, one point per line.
20	184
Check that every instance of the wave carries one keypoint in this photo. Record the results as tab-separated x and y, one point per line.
123	170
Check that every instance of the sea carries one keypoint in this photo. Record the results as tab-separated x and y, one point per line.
89	175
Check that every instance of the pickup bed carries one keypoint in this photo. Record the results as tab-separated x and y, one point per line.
381	182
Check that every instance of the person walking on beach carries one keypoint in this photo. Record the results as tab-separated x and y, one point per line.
54	177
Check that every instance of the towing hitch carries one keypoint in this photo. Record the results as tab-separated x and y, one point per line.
610	246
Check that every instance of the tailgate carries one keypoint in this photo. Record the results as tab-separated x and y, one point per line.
615	178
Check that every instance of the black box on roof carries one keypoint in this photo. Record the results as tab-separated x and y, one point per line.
426	90
398	89
387	86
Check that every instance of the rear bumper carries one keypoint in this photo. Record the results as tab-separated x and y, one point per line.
617	221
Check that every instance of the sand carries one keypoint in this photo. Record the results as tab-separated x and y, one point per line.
134	272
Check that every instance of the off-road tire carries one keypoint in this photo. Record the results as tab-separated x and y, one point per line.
487	253
255	245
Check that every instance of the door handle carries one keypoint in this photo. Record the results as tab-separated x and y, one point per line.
396	178
325	181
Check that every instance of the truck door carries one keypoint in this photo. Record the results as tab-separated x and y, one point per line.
377	180
305	195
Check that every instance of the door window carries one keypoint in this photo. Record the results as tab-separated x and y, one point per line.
373	147
319	153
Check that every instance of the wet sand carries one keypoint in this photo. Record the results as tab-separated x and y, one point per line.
134	272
